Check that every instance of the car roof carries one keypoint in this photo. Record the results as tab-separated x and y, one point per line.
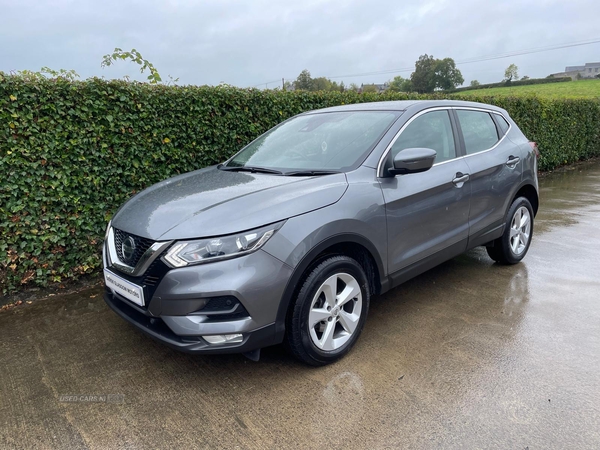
403	105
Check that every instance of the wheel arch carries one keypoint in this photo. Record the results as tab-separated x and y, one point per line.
350	244
528	191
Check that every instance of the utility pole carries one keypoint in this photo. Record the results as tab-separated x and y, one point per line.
283	84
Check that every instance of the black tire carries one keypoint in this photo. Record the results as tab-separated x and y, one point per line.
501	251
298	338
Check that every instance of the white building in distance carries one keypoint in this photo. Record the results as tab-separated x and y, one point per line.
589	70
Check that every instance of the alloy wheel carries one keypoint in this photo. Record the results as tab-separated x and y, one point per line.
335	312
520	230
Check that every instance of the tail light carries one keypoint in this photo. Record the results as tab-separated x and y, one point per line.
535	149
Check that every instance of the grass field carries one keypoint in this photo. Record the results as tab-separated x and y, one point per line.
569	89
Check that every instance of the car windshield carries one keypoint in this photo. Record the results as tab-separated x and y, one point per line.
321	142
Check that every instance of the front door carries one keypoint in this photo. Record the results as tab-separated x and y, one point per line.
427	213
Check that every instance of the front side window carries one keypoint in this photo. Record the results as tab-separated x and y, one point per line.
478	129
325	141
431	130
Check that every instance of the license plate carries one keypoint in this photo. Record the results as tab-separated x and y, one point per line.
124	288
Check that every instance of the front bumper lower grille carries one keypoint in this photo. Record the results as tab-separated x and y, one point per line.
149	281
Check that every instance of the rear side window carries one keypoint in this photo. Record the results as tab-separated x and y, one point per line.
479	130
502	123
431	130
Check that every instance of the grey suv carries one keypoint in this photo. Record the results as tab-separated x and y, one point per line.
289	239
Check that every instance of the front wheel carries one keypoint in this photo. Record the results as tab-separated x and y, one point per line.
514	243
329	312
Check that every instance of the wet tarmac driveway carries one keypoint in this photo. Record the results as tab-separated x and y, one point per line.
468	355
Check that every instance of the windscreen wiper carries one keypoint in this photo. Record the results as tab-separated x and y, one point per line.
310	173
251	169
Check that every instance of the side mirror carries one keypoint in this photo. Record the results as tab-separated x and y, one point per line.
412	160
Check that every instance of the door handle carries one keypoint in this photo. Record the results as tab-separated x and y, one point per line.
512	161
460	179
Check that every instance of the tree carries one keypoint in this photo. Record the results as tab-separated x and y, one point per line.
369	88
446	75
475	83
523	78
423	78
396	84
400	84
511	73
353	87
431	74
320	84
304	81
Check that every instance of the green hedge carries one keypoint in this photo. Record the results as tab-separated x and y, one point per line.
566	130
514	83
72	152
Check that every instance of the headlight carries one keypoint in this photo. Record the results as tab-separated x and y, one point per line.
218	248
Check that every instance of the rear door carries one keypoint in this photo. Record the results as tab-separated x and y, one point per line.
427	213
495	169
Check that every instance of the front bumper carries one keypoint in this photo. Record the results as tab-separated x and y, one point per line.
157	329
175	311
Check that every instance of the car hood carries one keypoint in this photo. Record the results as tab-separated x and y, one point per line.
212	202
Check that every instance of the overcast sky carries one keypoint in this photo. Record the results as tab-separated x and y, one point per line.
251	42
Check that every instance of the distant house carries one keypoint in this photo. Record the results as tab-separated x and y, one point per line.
380	87
588	70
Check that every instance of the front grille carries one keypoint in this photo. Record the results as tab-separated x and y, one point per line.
141	245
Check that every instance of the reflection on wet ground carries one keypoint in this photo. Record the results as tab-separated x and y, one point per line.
470	355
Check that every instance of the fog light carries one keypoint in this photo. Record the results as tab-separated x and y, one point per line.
224	339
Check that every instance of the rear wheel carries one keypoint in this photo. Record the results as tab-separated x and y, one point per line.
514	243
329	312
